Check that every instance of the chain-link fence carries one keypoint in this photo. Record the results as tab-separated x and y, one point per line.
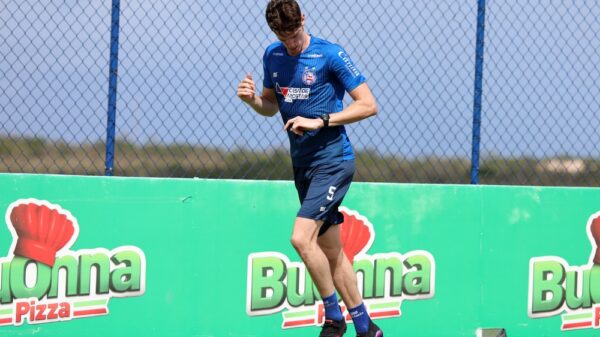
542	92
180	62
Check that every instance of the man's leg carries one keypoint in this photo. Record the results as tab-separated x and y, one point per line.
320	189
344	279
304	240
342	272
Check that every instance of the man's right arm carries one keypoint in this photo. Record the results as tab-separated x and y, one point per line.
266	104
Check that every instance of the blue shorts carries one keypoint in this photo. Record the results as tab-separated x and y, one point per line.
321	190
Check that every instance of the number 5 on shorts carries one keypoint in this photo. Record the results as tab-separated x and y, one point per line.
331	192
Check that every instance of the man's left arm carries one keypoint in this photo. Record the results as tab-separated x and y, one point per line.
364	106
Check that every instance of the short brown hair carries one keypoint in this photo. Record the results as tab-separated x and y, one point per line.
283	16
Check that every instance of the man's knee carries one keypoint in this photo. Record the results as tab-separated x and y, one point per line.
304	234
299	242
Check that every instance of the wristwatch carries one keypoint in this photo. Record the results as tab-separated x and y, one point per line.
325	118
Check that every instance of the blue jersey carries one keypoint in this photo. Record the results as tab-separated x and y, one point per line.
309	85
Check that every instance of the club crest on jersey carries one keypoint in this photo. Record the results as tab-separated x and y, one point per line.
308	76
290	94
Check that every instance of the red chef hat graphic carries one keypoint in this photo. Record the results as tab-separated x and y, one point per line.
40	229
595	231
356	233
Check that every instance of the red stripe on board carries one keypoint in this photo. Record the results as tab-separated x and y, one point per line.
5	320
91	312
577	325
297	323
385	313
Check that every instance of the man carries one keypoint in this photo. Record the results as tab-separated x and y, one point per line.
305	78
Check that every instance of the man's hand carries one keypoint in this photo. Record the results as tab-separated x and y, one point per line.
265	105
300	124
247	89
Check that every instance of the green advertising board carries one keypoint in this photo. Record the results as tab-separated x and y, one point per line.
191	257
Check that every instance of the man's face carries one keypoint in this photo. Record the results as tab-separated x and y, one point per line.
293	41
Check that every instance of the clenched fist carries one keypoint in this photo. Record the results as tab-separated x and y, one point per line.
247	89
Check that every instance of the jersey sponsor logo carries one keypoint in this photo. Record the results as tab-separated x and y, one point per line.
349	64
308	76
314	56
274	74
290	94
277	54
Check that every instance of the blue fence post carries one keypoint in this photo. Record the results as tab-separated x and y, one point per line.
112	89
478	91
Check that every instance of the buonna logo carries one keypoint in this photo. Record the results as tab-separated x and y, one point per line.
275	284
42	280
573	292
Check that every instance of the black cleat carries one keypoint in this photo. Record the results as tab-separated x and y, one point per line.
332	328
373	331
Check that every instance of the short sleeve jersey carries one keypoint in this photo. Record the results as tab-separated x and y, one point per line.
309	85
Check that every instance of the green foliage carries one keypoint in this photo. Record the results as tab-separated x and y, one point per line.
34	155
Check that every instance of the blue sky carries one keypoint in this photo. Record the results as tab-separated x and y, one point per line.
180	62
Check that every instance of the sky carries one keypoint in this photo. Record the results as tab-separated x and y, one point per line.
180	63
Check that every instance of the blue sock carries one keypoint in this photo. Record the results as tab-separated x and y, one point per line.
360	318
332	308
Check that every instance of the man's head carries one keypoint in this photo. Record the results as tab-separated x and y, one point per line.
284	16
287	22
